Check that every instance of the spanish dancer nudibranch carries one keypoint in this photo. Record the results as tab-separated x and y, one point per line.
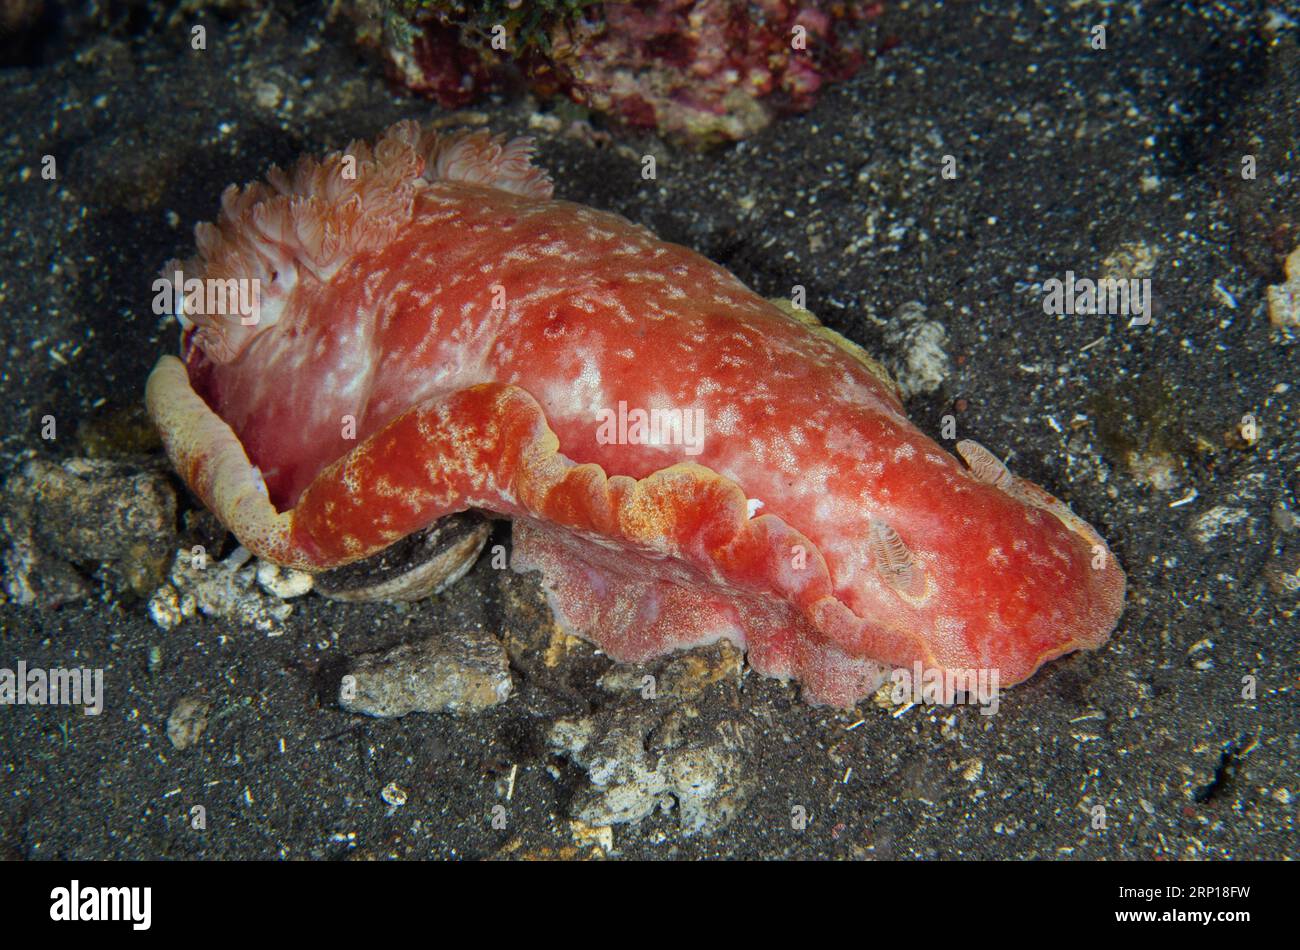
435	334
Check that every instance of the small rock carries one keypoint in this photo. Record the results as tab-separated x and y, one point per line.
1284	519
683	676
667	742
1198	655
186	724
282	582
168	609
1160	469
115	518
599	838
639	757
1131	261
459	672
971	769
922	362
267	95
225	589
1282	574
1210	524
1284	298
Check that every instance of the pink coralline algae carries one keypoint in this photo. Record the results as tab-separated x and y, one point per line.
683	461
698	70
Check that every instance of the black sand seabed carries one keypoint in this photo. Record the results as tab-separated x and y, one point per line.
1067	157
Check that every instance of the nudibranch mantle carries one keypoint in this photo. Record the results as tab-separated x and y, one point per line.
436	333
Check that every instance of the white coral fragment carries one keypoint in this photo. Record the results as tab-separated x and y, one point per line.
223	589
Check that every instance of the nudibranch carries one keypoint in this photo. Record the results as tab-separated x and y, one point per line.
435	334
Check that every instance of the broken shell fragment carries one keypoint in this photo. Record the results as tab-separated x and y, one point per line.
417	566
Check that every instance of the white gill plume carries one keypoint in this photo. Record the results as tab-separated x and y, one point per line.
895	560
984	465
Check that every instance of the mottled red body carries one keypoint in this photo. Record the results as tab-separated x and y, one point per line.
475	350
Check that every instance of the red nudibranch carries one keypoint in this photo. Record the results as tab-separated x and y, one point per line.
476	334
